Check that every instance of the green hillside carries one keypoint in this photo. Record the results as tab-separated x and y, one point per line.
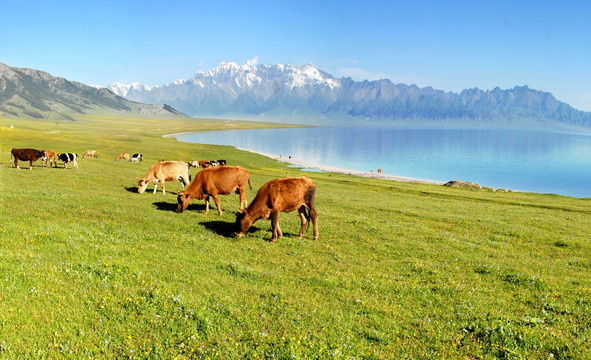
28	93
89	268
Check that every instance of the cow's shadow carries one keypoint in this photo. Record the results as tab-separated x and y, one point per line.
168	206
134	189
222	228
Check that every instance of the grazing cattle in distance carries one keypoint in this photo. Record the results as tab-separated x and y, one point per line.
163	171
213	182
50	157
204	164
66	158
380	171
124	156
136	158
213	163
221	162
89	153
193	163
281	195
26	154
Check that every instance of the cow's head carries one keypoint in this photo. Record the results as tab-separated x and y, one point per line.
141	186
243	222
183	202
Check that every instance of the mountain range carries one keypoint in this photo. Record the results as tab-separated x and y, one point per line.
32	93
305	92
298	94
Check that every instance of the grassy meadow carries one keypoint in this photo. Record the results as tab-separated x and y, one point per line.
89	268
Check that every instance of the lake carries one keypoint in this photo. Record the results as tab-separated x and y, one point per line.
522	160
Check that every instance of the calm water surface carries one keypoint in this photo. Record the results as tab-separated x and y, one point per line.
537	161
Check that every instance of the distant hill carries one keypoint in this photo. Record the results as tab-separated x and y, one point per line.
285	91
35	94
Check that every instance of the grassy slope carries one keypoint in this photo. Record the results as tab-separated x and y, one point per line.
90	268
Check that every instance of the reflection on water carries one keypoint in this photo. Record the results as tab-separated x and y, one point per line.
536	161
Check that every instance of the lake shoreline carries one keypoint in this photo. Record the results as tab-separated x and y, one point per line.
492	159
334	169
327	168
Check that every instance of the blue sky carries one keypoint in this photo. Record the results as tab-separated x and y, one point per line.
449	45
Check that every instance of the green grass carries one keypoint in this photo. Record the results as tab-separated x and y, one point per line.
89	268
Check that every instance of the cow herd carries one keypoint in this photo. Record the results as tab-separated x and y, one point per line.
274	197
32	155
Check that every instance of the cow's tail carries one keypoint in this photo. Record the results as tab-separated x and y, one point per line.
310	199
307	215
250	186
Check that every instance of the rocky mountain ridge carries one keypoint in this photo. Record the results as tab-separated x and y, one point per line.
286	91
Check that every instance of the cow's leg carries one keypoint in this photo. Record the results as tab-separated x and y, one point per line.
303	220
314	219
207	204
75	164
16	163
275	226
30	164
155	186
243	202
216	199
183	181
163	187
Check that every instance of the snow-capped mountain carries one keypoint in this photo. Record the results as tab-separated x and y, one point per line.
124	90
303	91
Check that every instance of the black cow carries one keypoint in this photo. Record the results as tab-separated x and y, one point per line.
68	157
29	155
136	158
221	162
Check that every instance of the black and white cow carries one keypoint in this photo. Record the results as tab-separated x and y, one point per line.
68	157
137	158
221	162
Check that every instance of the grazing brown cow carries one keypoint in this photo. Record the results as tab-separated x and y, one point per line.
89	153
213	182
124	156
29	155
163	171
50	157
281	195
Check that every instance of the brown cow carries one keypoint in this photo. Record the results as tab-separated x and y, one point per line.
29	155
281	195
89	153
163	171
124	156
50	157
213	182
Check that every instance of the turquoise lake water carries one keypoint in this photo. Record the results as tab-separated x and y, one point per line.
523	160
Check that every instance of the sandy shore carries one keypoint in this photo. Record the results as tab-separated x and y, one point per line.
334	169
